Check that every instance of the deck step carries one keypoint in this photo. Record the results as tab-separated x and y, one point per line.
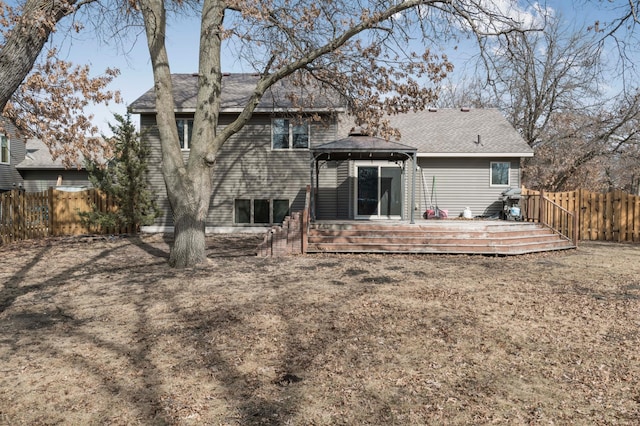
451	236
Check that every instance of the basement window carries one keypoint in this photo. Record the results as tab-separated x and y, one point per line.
260	211
500	172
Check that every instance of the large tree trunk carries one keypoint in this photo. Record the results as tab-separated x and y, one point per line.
190	199
188	185
190	207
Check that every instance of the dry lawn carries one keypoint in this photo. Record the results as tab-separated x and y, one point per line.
100	331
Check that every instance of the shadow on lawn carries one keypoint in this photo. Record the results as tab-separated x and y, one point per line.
217	247
270	400
151	249
39	326
262	399
13	290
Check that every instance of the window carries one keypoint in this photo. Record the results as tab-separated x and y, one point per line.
185	130
500	173
260	211
287	134
242	211
4	149
280	210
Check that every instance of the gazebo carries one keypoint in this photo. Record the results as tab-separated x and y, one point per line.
360	146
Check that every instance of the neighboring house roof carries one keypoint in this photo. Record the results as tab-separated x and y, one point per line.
236	91
460	133
39	157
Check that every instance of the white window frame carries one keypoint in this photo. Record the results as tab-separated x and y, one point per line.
4	137
508	174
186	136
290	127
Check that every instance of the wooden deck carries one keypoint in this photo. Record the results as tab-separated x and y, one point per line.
456	236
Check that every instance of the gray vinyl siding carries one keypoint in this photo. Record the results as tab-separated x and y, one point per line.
246	168
409	186
9	176
40	180
344	192
149	134
327	207
334	192
462	182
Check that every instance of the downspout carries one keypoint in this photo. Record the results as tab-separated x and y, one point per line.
311	178
315	193
413	188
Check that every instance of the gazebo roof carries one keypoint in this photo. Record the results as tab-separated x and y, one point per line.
361	146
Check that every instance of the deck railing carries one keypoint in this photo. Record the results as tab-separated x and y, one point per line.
611	216
538	208
306	220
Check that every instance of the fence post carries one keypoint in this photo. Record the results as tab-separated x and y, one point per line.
621	215
576	221
51	208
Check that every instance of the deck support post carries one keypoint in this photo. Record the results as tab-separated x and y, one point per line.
414	158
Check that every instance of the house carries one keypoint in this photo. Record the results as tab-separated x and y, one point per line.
28	164
40	171
261	173
12	152
451	159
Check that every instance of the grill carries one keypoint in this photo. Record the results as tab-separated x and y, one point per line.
511	204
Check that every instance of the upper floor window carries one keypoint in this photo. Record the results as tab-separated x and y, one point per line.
500	173
4	149
289	134
185	130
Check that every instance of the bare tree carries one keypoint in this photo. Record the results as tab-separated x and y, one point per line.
360	48
43	95
25	31
596	150
617	35
534	75
552	85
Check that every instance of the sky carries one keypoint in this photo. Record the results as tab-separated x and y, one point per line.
182	44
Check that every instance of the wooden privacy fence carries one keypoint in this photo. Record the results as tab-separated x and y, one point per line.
614	216
25	215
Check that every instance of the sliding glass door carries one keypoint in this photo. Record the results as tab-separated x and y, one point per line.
378	191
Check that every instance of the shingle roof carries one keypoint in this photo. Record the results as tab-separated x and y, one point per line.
236	90
457	132
38	156
442	132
